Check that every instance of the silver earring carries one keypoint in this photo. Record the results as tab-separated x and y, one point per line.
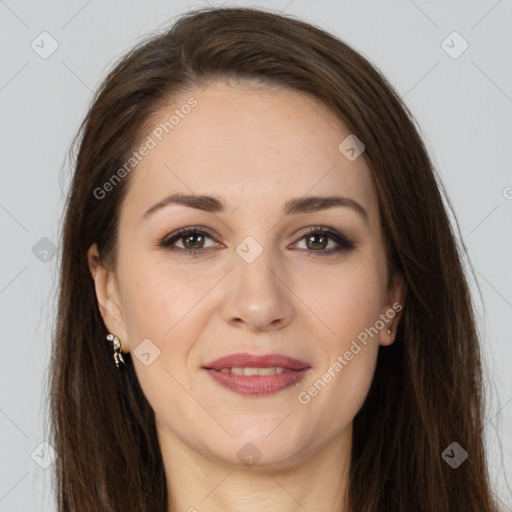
116	345
389	331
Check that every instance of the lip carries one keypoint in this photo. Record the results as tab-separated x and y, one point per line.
245	360
257	385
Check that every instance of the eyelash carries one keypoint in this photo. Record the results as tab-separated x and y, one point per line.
344	243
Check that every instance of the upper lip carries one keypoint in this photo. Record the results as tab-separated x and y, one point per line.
244	360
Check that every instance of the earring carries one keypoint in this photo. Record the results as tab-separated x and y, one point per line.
389	331
116	345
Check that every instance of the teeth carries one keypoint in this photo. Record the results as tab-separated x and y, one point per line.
254	371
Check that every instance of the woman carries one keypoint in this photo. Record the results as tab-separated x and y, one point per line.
262	304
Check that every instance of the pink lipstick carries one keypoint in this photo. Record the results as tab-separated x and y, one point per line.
248	374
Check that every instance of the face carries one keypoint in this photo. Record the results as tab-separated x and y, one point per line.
259	268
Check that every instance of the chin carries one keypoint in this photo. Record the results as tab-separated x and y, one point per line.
258	447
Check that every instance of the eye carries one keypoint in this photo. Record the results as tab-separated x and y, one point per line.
324	241
192	240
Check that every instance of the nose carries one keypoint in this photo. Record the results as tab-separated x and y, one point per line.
258	295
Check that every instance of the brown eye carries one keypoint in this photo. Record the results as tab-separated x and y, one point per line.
324	241
188	240
317	241
193	241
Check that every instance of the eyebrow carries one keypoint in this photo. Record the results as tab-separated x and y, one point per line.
212	204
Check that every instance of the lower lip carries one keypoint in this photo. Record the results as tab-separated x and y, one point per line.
257	384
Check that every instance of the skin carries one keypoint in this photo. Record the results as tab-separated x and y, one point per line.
255	148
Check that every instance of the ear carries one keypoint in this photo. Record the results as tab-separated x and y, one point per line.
392	311
107	295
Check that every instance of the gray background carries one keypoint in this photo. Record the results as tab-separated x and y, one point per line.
462	104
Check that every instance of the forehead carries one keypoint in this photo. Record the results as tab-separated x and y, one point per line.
259	146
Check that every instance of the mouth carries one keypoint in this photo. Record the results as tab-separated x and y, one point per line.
247	374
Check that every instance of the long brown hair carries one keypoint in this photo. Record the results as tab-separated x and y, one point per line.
427	388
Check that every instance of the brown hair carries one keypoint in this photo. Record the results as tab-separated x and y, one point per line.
427	388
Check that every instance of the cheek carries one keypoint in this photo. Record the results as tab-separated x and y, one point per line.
338	387
337	396
347	298
157	300
165	309
350	306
